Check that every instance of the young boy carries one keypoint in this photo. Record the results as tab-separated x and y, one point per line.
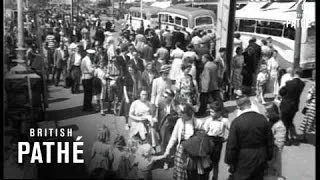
262	80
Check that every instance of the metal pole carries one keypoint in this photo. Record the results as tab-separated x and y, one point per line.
113	10
141	9
297	45
229	52
71	12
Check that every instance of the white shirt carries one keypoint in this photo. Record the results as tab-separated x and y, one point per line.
77	59
196	40
284	79
219	127
273	66
86	68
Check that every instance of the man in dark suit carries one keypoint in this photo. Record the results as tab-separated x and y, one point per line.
99	35
60	57
178	36
137	62
167	117
250	143
289	105
208	84
148	75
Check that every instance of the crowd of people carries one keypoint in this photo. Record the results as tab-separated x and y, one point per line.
170	87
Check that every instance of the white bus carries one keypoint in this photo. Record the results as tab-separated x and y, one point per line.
278	21
149	17
187	17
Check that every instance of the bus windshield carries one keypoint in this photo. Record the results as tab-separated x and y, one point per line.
204	21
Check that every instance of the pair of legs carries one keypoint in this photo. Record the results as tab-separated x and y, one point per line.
58	72
75	76
287	118
261	89
87	99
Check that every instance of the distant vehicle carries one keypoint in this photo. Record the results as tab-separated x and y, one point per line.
187	17
149	17
278	21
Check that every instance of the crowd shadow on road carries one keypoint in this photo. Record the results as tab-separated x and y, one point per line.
68	113
57	100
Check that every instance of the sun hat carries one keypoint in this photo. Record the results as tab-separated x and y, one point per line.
165	68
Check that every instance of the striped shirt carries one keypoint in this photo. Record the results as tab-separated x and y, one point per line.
51	42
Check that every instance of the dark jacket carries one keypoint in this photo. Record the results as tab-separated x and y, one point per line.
59	60
291	95
249	145
139	65
146	80
209	78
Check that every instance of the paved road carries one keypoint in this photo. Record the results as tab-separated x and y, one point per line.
65	108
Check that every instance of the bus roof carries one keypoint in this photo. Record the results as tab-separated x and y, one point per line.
145	9
187	11
283	13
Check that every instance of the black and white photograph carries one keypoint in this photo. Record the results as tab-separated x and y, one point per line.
159	89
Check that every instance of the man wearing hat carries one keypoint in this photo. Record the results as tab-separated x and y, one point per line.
160	84
87	70
250	143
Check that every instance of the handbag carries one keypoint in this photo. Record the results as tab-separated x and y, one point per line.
198	145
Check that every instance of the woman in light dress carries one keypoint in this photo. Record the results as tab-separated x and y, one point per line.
273	68
176	55
141	116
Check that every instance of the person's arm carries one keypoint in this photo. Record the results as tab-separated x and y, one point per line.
232	147
93	152
270	142
173	138
154	91
125	94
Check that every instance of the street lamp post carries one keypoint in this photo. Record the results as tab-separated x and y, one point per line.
297	45
21	66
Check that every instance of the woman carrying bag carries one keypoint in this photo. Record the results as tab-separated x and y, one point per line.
187	166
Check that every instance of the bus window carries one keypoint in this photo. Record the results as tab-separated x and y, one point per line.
184	22
262	27
276	28
203	21
171	20
289	31
269	28
164	17
311	36
178	21
247	25
154	16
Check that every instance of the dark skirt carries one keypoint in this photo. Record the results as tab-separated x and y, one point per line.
97	86
216	150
